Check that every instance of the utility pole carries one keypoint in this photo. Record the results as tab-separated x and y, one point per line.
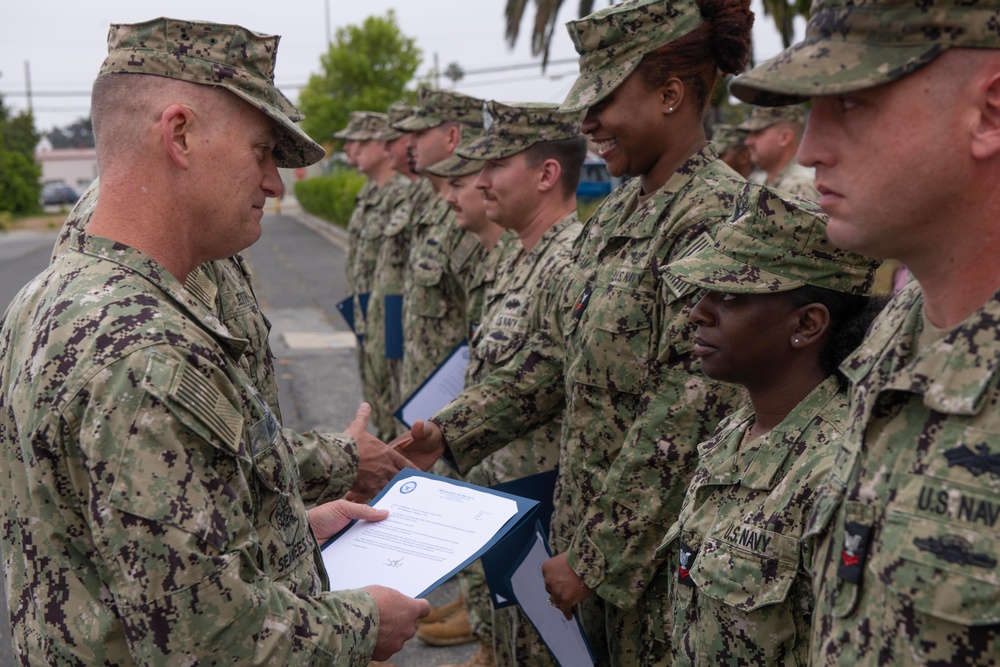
27	83
329	41
437	73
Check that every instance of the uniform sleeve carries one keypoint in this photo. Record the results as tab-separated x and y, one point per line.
186	519
511	402
328	464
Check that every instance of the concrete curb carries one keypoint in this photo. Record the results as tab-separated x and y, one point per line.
327	230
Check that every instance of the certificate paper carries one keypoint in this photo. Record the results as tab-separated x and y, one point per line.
435	527
440	389
564	638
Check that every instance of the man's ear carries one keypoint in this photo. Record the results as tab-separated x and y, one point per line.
986	131
549	175
176	124
454	136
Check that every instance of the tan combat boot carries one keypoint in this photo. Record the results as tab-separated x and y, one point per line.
451	631
438	614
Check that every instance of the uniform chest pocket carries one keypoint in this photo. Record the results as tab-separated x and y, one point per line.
617	340
428	298
743	579
948	570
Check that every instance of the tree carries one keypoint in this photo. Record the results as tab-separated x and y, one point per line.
367	68
784	12
19	173
77	135
546	14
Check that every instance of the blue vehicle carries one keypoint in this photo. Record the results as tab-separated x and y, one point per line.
595	181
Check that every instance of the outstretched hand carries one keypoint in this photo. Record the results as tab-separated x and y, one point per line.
423	444
378	463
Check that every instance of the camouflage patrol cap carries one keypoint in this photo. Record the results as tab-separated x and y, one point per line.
851	46
435	107
390	133
774	242
611	43
365	126
510	129
398	113
214	54
353	123
726	137
456	165
762	118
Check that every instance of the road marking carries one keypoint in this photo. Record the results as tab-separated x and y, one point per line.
306	340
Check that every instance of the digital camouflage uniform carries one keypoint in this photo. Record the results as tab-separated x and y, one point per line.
738	575
151	490
442	257
356	222
376	371
906	523
614	323
391	268
328	462
364	234
151	513
793	178
387	280
514	298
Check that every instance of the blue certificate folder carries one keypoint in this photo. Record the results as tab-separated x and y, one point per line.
444	384
393	326
496	562
346	309
526	509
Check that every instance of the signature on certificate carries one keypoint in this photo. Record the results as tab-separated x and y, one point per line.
394	562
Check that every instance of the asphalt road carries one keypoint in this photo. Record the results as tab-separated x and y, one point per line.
298	267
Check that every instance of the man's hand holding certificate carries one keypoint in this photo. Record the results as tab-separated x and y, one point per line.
435	527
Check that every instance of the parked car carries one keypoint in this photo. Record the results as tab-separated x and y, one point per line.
595	181
57	192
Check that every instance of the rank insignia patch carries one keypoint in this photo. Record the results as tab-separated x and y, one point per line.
855	551
686	561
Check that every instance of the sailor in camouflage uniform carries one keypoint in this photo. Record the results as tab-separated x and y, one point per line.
392	262
151	491
617	353
375	214
903	136
784	308
727	142
470	616
356	222
773	141
532	154
442	258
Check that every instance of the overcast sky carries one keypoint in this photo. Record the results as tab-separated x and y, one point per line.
64	44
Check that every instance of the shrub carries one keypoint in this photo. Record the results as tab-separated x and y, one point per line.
330	197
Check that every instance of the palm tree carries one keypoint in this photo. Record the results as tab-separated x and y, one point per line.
784	12
546	13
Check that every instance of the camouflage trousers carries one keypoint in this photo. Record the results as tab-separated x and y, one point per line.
377	388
